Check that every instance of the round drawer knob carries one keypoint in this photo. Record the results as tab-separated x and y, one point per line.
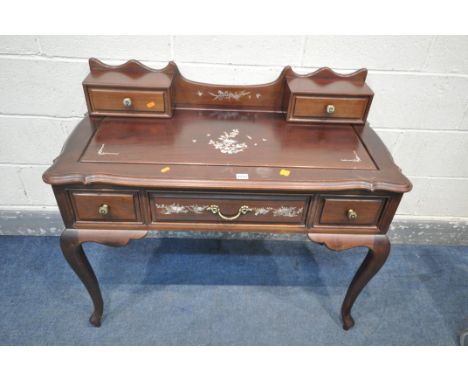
103	209
330	109
352	215
127	102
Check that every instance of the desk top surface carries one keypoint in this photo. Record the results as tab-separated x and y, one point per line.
227	139
225	149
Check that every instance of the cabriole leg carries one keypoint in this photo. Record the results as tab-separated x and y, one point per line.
372	263
379	249
76	258
70	242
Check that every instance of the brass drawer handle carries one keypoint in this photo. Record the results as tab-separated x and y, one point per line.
330	109
127	102
103	209
352	215
216	210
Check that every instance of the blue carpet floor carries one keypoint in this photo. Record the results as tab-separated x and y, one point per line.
229	292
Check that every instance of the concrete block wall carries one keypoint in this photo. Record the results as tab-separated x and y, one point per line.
420	108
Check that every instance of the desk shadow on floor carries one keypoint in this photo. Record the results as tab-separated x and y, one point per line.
153	264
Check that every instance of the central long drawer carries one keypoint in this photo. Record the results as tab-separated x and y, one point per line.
228	209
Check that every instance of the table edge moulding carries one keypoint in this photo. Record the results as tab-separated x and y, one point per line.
160	152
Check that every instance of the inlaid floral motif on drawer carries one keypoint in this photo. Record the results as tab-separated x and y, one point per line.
289	212
175	208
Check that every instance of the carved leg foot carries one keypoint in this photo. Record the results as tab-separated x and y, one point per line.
71	241
374	260
379	249
76	258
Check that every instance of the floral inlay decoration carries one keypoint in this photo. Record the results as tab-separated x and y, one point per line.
222	95
227	144
176	208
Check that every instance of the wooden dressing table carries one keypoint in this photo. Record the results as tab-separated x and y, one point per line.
160	152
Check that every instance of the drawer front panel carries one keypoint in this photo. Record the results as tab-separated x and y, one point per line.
333	107
351	212
231	209
128	101
106	206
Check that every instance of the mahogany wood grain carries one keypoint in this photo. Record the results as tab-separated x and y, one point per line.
121	206
268	219
190	139
262	209
196	95
330	86
307	108
267	147
74	167
151	91
71	241
379	249
112	100
132	74
334	211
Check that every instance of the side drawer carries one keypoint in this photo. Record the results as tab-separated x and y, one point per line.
228	209
349	211
105	101
350	109
106	206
